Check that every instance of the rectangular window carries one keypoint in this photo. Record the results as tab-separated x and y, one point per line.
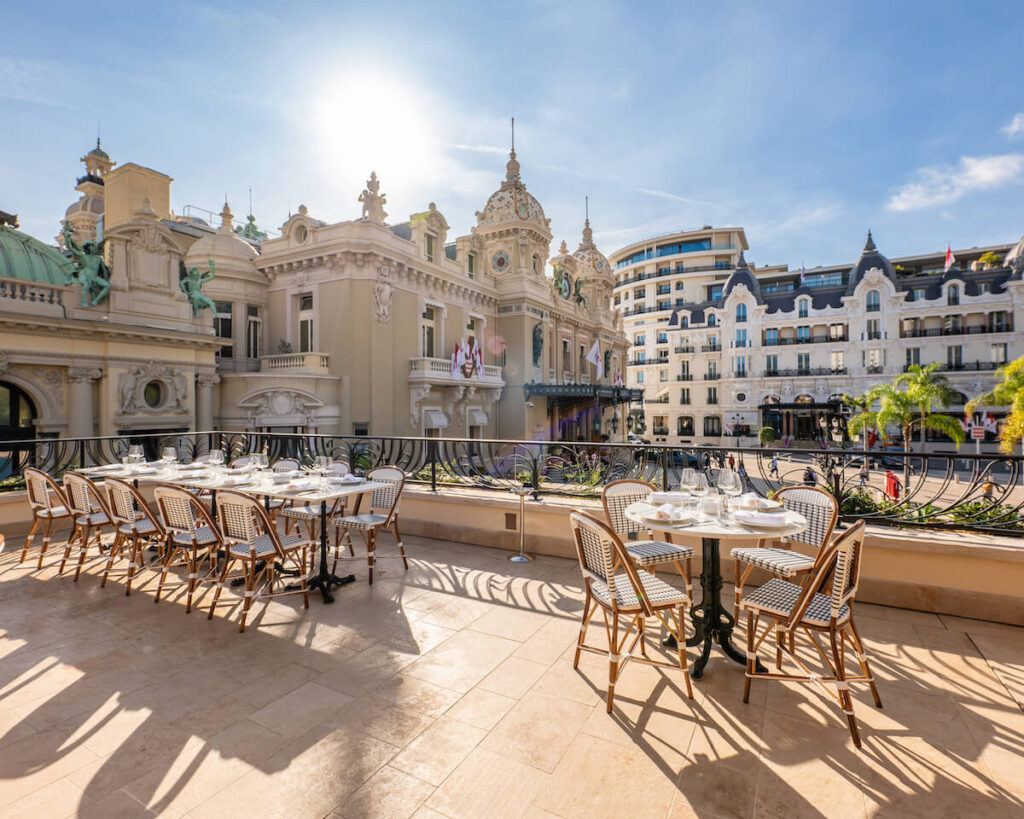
712	425
984	287
955	356
566	355
306	340
712	395
360	428
223	328
713	369
741	338
664	289
714	292
999	354
771	363
640	377
684	367
741	366
875	360
803	362
429	332
919	294
802	307
838	361
639	339
252	332
997	321
913	355
662	337
471	268
430	246
663	375
771	338
874	329
665	305
803	334
837	332
684	395
639	292
679	286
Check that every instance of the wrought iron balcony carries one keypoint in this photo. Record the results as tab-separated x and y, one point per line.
788	373
712	376
931	332
683	350
819	339
684	377
711	348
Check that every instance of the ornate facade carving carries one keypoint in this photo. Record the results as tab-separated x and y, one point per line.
173	386
382	294
373	201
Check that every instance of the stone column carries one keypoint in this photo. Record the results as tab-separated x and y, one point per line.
204	401
80	420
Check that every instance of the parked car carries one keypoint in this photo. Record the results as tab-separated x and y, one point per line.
681	459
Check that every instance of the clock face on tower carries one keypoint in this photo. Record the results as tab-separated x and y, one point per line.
499	261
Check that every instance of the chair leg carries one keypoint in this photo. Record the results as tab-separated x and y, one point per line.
28	539
613	659
84	547
681	647
115	549
862	659
587	614
46	540
168	558
250	592
371	547
76	530
778	646
401	546
228	563
193	574
742	576
845	700
751	658
134	554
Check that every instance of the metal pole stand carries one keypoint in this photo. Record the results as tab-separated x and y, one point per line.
521	556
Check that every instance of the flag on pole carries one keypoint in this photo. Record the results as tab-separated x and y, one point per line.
803	273
594	357
988	421
950	258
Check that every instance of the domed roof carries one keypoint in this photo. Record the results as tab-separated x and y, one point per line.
87	204
98	151
224	247
512	202
742	275
24	257
869	258
591	261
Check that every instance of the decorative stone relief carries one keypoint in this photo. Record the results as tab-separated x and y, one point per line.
417	395
76	375
132	389
373	201
51	381
280	404
382	293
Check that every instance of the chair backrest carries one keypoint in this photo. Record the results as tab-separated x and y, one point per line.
125	501
339	468
285	464
617	495
182	512
818	507
243	519
837	574
42	489
601	555
82	494
387	499
241	460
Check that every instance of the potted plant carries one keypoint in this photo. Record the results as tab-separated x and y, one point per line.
991	260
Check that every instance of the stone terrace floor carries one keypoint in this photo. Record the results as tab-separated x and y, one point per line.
449	691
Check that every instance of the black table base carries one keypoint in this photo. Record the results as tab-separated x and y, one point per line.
712	622
325	580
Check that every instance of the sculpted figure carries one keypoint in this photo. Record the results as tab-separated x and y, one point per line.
91	271
538	343
578	293
373	202
191	284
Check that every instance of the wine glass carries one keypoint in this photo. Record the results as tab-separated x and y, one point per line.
686	478
322	464
729	483
699	487
169	455
260	460
216	457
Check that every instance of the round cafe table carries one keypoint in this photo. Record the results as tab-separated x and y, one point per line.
713	622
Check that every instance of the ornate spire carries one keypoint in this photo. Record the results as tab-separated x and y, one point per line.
869	245
588	234
225	216
512	166
742	261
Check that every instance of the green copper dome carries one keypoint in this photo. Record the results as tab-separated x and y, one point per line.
23	257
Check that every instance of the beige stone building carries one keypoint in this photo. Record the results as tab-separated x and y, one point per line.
361	327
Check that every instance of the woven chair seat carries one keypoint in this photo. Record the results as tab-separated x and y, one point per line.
657	591
304	512
777	598
204	536
95	519
142	526
365	521
53	512
778	561
263	546
653	552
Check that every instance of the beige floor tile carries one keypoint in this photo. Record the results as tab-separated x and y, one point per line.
514	677
462	661
57	799
510	623
540	649
301	709
388	794
37	761
439	750
488	784
481	709
383	719
538	729
117	805
416	695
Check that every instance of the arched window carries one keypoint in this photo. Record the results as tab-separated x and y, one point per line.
953	294
684	425
804	399
802	307
17	422
874	301
741	312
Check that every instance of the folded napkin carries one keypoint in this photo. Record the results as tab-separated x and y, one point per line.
192	467
298	485
667	497
232	481
667	511
758	518
349	478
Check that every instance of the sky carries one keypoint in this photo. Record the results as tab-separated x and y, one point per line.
805	123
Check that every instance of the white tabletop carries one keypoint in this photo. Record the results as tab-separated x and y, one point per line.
724	528
249	482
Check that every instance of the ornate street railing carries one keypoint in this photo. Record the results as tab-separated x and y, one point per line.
936	490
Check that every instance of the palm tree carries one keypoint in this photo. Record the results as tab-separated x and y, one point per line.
904	409
862	404
1007	393
926	389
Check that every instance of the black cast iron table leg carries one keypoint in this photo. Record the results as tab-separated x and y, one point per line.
324	579
712	622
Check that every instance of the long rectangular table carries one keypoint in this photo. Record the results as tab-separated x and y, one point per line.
260	485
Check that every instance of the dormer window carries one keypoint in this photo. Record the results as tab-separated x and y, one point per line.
953	295
711	320
471	265
431	242
741	312
802	308
874	301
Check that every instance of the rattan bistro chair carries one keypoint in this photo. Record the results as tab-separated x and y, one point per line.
251	539
49	506
383	514
91	516
192	538
646	554
820	510
136	526
789	608
621	590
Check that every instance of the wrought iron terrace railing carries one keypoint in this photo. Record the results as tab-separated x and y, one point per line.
937	490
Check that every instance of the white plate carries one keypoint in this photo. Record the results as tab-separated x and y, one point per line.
685	520
763	505
761	520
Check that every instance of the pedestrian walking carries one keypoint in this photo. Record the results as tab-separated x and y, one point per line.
732	461
774	472
809	477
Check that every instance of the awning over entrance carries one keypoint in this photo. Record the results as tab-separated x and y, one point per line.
434	419
477	418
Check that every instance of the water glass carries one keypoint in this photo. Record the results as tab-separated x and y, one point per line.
699	487
169	455
260	460
322	464
709	508
729	483
686	478
216	457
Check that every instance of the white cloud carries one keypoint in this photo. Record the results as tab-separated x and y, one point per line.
481	149
943	184
674	197
1014	128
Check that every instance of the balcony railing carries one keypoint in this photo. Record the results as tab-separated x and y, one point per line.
929	496
739	374
429	369
874	369
961	366
711	348
787	373
295	362
683	350
639	362
874	335
21	290
931	332
819	339
684	377
711	376
697	268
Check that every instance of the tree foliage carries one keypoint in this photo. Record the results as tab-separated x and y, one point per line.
1008	392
